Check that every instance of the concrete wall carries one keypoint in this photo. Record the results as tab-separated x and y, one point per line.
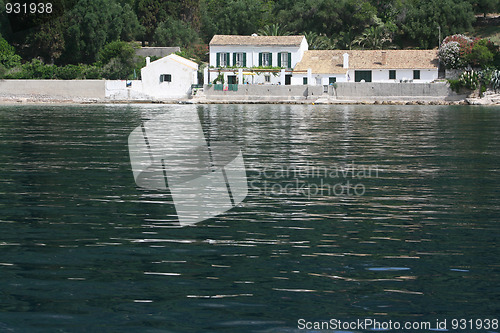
264	93
54	88
347	91
118	90
393	91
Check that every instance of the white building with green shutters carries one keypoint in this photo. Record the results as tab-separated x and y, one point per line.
254	59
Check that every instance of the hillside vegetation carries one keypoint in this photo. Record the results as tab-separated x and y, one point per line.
94	38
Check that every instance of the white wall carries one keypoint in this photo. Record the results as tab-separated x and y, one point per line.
118	90
183	77
317	79
426	75
253	51
382	75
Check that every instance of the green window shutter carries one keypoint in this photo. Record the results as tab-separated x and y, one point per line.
289	60
416	74
260	59
234	59
244	60
279	59
218	60
270	59
227	59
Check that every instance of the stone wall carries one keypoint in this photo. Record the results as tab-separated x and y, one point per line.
344	91
254	92
93	89
394	91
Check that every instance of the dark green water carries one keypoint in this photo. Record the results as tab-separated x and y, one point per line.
82	249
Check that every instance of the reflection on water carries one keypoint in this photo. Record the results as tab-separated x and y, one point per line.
84	249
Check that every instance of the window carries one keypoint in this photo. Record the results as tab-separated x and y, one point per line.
239	59
284	59
265	59
267	78
392	74
165	78
362	76
416	74
304	80
222	59
332	80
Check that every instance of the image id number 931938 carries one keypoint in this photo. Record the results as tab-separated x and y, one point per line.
28	8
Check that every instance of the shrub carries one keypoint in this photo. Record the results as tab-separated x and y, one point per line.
69	72
8	56
469	80
449	55
36	69
460	51
92	72
480	54
485	76
495	80
116	49
455	85
117	60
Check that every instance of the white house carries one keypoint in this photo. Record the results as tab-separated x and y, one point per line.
254	59
324	67
169	77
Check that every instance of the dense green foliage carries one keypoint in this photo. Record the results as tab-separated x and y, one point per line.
79	30
460	51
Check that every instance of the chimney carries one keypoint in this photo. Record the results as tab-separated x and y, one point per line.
346	60
148	61
384	58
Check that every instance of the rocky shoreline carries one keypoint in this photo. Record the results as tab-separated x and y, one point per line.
487	99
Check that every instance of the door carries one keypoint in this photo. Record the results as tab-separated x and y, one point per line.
363	75
231	79
288	80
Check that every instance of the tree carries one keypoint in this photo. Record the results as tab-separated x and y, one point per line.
232	17
173	32
47	40
425	16
274	29
374	37
149	13
485	6
93	24
318	41
118	60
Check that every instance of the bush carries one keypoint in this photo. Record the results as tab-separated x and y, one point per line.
8	56
36	69
460	51
449	55
469	80
92	72
118	60
69	72
480	54
495	80
455	85
116	49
